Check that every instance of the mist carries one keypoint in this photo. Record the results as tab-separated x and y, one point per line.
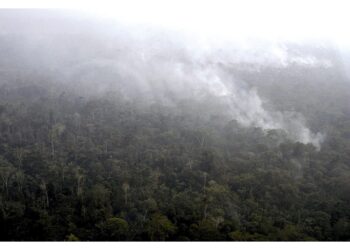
175	121
94	56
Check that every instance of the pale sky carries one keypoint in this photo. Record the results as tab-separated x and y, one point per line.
223	19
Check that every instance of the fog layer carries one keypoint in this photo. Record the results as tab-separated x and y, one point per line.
77	53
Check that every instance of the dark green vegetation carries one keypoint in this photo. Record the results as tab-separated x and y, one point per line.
106	168
102	137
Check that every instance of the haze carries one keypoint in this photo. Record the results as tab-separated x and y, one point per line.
183	120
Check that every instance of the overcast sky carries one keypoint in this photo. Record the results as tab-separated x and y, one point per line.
223	20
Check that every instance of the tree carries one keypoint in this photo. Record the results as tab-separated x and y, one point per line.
125	188
160	227
6	172
72	237
114	229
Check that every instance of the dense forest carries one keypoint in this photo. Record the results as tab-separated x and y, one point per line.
78	162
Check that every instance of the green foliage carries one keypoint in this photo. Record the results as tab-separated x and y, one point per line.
160	227
114	229
72	237
109	169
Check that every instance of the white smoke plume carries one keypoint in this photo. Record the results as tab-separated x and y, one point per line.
157	65
242	104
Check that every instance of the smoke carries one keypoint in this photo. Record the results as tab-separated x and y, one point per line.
166	78
245	106
239	102
162	66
